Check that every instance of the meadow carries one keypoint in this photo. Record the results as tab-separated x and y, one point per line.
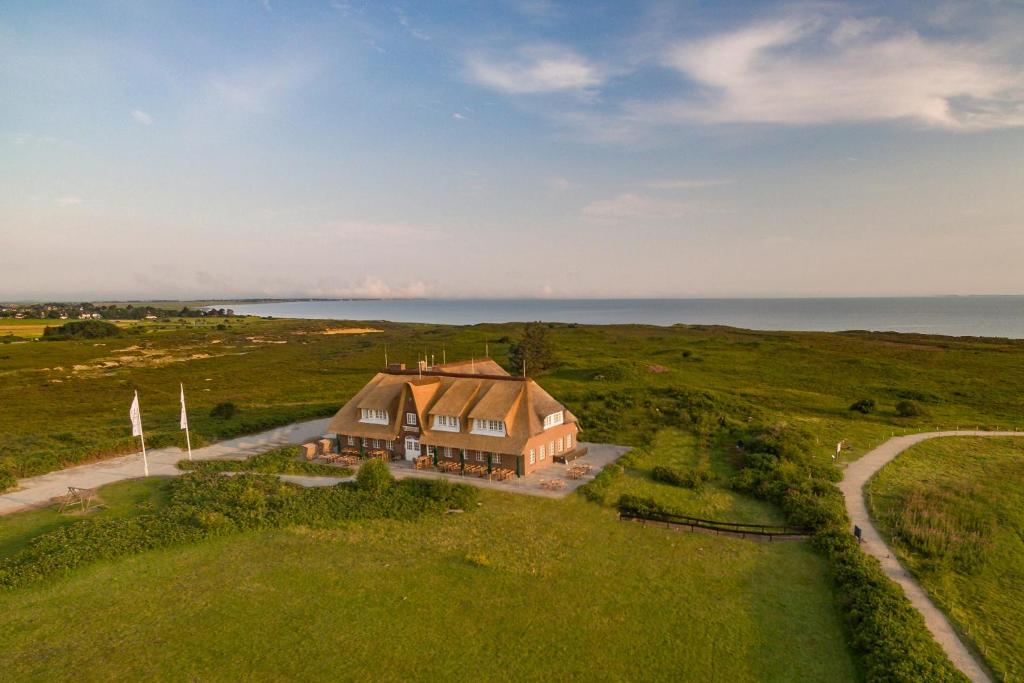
530	586
953	510
521	587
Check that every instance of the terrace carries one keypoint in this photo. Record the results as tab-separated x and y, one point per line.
555	480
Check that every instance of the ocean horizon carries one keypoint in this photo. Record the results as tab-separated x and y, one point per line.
974	316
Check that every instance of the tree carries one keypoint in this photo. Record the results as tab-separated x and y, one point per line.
374	477
535	350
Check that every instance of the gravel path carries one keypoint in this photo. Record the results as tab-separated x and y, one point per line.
36	491
856	476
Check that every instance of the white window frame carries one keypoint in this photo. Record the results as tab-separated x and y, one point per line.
568	441
373	416
481	456
488	427
533	456
559	444
554	419
495	458
447	423
551	448
542	451
410	419
351	441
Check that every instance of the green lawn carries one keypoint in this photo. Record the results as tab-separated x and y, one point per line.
67	401
522	587
954	509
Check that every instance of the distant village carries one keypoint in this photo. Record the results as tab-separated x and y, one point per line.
88	311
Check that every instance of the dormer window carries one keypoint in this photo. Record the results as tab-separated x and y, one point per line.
373	416
554	419
489	427
446	423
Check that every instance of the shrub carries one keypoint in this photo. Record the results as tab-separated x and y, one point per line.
203	505
374	477
908	409
224	411
863	405
596	489
284	460
82	329
7	480
690	477
887	634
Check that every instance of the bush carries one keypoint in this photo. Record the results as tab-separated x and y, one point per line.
887	634
204	505
224	411
82	329
7	480
690	477
374	477
596	489
864	405
909	409
284	460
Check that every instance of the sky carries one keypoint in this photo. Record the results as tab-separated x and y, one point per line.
516	148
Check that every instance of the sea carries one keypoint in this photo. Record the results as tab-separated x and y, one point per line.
974	316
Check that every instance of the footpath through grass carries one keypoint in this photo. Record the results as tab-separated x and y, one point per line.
522	588
953	511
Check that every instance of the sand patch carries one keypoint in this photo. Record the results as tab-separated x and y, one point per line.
657	369
350	330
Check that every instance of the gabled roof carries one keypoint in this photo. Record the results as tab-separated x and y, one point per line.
519	402
474	366
455	400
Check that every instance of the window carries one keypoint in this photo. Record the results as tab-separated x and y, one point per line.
410	419
480	456
489	427
533	456
551	449
496	459
559	444
568	442
446	423
391	445
375	443
447	451
554	419
373	416
351	441
542	451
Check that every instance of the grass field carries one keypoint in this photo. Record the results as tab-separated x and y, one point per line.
523	588
68	400
539	588
954	510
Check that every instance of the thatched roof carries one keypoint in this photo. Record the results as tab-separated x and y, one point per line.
519	402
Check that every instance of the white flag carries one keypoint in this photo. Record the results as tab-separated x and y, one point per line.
136	416
184	416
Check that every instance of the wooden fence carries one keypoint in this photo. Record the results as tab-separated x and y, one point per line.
769	532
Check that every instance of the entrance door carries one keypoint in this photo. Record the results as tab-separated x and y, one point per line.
412	448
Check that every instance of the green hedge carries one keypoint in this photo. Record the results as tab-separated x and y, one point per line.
286	460
7	480
205	505
690	477
887	634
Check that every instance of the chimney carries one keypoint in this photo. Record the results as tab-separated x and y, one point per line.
423	365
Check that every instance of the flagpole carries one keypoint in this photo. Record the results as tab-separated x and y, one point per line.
142	439
184	418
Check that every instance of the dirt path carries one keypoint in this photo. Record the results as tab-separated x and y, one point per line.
36	491
856	476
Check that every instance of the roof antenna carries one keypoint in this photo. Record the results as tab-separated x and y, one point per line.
472	365
385	355
524	368
487	350
419	366
444	355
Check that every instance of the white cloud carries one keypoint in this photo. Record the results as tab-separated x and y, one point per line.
536	69
685	184
258	88
560	185
378	234
68	201
371	287
814	70
409	26
458	116
633	206
142	117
